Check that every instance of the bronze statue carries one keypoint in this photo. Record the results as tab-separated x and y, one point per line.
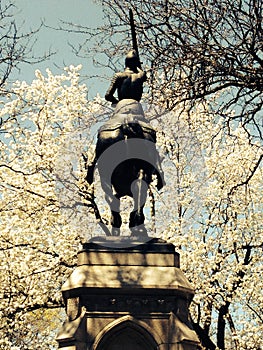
126	154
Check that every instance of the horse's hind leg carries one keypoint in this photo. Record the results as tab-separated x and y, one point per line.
139	191
116	221
106	139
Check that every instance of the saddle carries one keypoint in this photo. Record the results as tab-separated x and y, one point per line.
128	115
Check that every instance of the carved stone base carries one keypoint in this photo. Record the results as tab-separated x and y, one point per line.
124	295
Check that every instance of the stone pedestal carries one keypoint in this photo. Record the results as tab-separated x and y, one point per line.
124	295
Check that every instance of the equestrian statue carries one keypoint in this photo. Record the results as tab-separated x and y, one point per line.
126	155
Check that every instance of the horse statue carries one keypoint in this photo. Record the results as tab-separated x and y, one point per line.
126	154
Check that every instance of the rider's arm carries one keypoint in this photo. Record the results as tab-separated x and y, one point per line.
142	74
109	96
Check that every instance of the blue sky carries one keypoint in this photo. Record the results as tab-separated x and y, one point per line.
30	13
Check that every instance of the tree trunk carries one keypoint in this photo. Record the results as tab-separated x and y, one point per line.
221	325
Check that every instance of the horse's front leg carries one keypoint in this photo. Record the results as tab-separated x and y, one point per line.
114	204
139	190
115	216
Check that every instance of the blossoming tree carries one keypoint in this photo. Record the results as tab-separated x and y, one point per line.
212	207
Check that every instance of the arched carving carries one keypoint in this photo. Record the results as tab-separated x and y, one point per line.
126	333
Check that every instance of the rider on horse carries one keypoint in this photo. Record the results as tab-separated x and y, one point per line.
127	122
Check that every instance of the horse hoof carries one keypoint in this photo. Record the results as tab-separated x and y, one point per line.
139	231
115	231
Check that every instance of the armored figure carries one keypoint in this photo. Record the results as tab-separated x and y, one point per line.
128	113
129	83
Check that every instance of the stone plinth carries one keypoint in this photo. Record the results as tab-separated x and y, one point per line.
124	294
